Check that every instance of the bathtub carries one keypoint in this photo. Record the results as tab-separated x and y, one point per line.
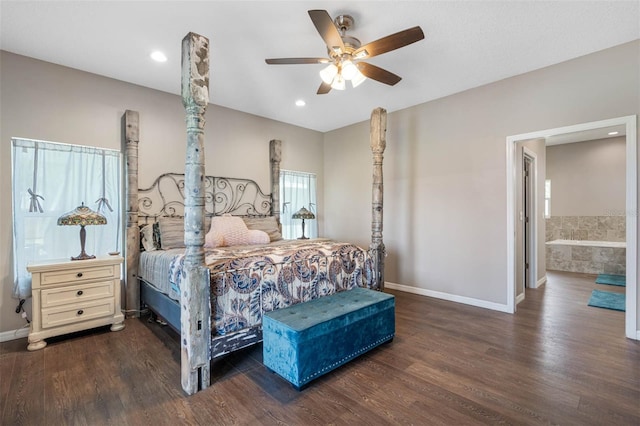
590	257
586	243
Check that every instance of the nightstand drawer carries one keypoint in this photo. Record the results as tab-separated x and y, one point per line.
77	293
72	275
69	314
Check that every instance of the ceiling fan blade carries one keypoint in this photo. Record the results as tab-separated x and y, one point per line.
328	31
287	61
323	89
378	74
389	43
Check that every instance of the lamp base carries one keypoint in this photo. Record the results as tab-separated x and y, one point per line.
303	238
83	256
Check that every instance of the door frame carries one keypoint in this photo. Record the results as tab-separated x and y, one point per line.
533	227
631	318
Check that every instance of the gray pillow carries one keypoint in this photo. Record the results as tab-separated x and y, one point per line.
268	224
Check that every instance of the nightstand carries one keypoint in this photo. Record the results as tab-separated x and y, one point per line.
74	295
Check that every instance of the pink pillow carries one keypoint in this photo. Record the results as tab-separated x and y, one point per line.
213	239
257	236
232	231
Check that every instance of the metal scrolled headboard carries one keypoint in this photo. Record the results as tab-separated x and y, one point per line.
235	196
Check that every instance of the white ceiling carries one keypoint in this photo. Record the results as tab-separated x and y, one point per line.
467	44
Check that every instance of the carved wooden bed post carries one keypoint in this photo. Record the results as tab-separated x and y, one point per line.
195	299
378	143
132	287
275	155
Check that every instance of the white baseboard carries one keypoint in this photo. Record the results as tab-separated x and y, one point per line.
519	298
5	336
542	281
450	297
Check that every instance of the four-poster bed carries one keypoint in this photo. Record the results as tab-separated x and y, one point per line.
216	298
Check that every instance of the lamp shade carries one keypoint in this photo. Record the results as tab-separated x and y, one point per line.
303	214
349	70
358	79
82	215
338	83
327	74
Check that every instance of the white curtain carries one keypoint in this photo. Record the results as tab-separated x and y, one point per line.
50	179
297	190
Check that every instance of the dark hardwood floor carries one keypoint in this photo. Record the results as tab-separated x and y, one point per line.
557	361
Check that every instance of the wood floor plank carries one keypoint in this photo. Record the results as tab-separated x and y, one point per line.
556	361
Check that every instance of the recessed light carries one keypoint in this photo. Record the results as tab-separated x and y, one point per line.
613	133
158	56
300	103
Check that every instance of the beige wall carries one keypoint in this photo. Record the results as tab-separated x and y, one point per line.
588	178
44	101
445	163
445	169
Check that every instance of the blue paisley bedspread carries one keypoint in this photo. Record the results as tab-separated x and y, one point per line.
250	280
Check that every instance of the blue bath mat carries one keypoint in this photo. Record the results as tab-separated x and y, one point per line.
619	280
607	300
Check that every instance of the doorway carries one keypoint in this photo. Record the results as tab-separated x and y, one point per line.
629	124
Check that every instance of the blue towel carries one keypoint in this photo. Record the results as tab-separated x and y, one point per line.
609	279
607	300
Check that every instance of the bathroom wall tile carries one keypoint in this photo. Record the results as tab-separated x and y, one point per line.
602	254
616	235
618	222
597	235
565	234
559	253
614	268
580	234
581	253
548	234
554	222
619	255
563	265
569	222
587	222
594	267
606	222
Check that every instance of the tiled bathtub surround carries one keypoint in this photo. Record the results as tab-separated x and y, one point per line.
586	259
592	228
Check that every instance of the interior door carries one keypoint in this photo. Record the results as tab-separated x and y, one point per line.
527	207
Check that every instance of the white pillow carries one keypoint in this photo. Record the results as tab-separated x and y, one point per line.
146	238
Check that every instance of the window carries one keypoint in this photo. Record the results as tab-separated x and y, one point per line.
547	198
50	179
297	190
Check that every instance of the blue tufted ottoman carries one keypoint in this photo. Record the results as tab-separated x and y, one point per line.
309	339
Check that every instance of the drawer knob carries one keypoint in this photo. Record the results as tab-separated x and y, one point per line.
80	312
79	293
79	275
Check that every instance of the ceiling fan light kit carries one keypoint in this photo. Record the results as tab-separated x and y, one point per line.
346	53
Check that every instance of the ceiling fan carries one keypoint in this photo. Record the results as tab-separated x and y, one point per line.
346	53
